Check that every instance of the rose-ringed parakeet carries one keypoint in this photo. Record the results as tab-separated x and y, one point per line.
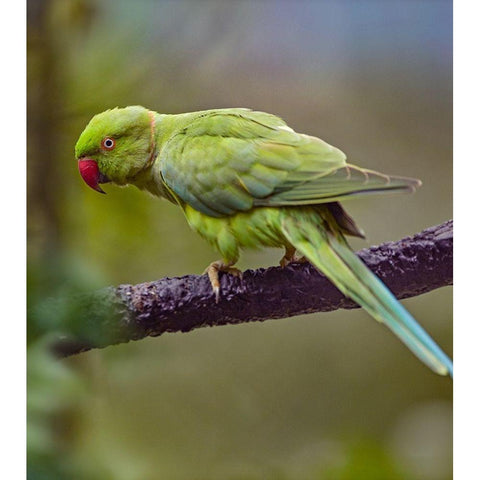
244	179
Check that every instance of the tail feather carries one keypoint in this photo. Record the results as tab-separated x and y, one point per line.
331	254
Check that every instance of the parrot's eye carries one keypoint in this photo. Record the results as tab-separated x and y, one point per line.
108	143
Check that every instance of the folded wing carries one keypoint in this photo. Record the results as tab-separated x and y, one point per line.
234	159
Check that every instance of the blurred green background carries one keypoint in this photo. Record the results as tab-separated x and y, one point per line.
322	396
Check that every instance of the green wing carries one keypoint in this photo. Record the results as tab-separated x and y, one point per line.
232	160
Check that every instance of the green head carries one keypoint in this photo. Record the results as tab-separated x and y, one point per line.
116	146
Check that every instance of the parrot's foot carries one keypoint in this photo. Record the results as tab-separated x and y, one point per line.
290	257
212	271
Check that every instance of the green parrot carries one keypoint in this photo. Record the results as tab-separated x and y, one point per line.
244	179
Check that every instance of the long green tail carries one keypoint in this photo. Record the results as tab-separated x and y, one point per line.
330	253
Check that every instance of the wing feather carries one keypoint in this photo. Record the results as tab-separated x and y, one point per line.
232	160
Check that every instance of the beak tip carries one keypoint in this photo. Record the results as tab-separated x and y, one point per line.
89	171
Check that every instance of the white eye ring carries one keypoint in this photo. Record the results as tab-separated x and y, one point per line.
108	143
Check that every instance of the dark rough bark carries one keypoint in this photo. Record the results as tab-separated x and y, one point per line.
409	267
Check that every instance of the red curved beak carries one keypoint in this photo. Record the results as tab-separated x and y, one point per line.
90	173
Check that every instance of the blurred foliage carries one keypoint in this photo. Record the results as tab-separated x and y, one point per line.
321	396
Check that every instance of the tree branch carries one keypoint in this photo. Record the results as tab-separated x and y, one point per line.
409	267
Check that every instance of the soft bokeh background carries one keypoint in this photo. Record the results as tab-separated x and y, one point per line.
323	396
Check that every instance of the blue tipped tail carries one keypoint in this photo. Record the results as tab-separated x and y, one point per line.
331	254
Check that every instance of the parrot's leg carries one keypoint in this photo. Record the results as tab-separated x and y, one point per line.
289	256
212	271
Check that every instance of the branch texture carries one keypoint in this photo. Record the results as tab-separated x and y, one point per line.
409	267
